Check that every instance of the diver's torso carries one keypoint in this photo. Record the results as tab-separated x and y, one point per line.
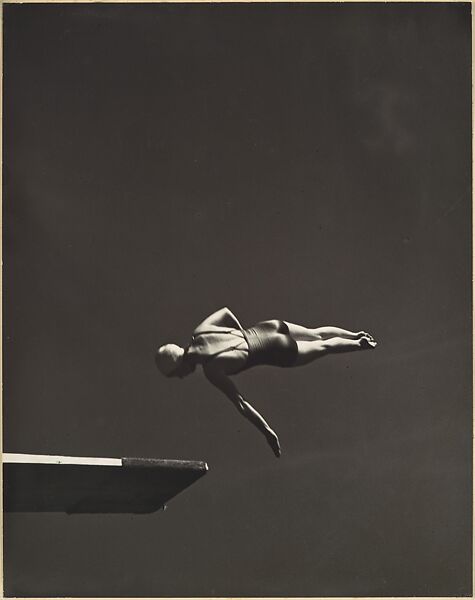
218	342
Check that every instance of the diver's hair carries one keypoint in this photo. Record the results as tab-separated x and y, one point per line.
168	358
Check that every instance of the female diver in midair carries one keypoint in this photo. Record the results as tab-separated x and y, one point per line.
223	348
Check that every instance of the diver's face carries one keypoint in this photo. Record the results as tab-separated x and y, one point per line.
184	369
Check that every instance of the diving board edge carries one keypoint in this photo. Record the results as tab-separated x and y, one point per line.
50	459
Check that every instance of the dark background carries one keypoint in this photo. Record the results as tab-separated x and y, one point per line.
304	162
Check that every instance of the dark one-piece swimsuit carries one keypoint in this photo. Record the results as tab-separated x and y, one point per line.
269	343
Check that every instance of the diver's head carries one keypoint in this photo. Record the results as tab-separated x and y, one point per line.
170	361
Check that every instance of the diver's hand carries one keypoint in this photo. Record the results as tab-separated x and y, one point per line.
273	441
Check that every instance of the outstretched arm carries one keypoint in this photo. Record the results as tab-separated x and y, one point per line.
222	318
224	383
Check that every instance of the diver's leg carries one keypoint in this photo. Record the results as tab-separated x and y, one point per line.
310	351
298	332
332	332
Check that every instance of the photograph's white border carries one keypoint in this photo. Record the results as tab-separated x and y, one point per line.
61	460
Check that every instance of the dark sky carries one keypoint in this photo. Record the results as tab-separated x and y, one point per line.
306	162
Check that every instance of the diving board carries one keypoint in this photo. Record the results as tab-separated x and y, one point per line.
76	484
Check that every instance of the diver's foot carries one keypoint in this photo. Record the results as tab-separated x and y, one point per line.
273	442
362	334
367	342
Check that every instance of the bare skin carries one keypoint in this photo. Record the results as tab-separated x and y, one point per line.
312	343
